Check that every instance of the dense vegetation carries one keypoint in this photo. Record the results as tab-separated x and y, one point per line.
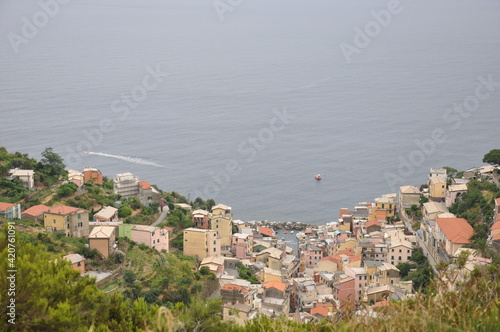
477	207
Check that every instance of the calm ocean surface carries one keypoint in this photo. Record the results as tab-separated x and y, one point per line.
352	122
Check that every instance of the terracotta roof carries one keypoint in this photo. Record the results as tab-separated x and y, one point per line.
496	225
348	252
144	185
322	311
373	222
456	230
266	231
36	210
6	206
497	201
385	303
63	209
333	259
496	237
275	284
231	287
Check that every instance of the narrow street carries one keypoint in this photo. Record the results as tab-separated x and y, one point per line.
420	241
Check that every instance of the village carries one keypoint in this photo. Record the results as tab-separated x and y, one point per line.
359	261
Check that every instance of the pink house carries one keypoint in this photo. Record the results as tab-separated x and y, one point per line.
312	255
344	290
360	280
77	262
241	244
153	237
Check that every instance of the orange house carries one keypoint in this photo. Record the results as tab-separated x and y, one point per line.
92	175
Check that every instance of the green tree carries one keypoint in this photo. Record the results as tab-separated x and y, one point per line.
404	268
492	157
52	163
418	256
129	276
67	189
124	211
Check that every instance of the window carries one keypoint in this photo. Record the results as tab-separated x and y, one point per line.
79	216
215	242
54	221
392	257
215	249
400	250
153	234
392	250
365	277
79	264
80	224
360	277
408	251
399	258
68	226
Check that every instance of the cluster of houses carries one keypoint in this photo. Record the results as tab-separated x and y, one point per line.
349	263
346	264
103	227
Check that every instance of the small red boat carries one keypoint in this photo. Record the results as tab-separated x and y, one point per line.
317	177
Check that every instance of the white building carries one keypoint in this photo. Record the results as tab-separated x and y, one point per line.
126	185
25	175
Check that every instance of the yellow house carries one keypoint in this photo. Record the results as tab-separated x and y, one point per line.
385	206
272	257
437	188
222	223
201	243
72	221
268	274
103	239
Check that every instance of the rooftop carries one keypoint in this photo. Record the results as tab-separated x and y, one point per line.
21	172
102	232
266	231
36	210
107	212
6	206
409	190
64	210
434	207
144	185
276	284
74	258
145	228
456	230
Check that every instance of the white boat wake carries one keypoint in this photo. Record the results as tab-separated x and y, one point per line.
128	159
